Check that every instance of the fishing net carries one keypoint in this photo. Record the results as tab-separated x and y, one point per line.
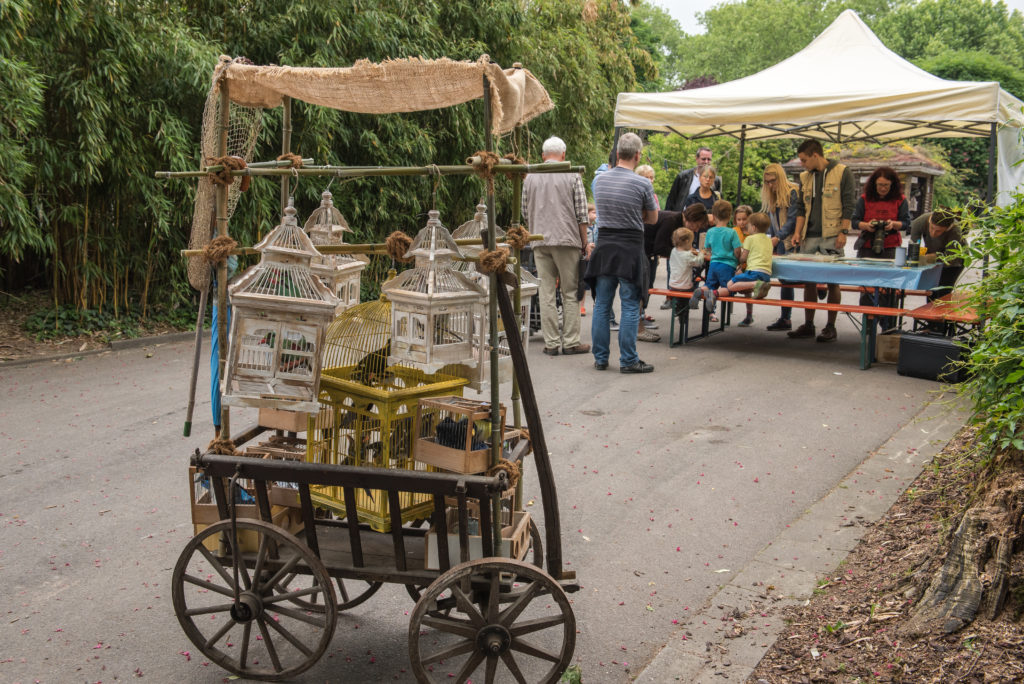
243	129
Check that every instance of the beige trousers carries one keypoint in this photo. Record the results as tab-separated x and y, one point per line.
558	267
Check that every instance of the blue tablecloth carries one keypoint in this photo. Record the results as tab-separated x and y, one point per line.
858	272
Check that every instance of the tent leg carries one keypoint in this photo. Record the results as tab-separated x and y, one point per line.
615	144
739	184
990	195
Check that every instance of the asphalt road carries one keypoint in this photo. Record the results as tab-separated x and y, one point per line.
669	483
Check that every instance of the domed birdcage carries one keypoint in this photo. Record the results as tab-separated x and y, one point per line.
339	272
434	308
280	314
367	411
479	373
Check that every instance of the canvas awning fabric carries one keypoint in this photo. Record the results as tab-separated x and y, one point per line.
399	85
846	85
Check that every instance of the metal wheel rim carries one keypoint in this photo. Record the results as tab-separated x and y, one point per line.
268	646
491	636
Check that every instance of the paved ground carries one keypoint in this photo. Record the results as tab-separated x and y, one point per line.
671	487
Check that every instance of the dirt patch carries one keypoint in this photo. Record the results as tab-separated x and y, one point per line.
16	343
851	629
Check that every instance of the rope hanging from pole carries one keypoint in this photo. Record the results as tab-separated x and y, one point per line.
484	167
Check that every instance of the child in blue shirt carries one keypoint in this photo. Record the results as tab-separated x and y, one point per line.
724	247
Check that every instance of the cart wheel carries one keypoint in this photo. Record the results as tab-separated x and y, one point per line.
351	592
509	620
256	635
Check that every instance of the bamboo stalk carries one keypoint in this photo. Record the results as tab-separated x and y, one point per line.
377	248
370	171
222	269
286	147
275	164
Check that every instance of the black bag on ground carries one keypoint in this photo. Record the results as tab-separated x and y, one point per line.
931	357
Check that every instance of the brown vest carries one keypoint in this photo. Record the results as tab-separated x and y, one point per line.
831	199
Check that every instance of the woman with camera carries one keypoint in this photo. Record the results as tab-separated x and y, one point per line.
882	214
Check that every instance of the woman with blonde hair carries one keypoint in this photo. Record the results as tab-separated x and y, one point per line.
779	201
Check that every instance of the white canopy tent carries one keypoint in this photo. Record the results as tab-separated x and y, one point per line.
844	86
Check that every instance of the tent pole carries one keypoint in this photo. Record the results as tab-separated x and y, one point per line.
739	183
615	144
990	196
286	147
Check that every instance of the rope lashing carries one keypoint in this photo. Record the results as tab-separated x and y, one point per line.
219	249
397	244
517	236
225	447
493	261
295	159
224	177
485	167
509	468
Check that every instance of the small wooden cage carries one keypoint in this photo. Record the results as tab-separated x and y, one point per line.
479	372
280	314
368	408
434	308
341	273
454	434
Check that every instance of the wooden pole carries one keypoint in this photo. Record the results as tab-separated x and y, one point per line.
492	241
376	171
196	355
222	268
366	248
517	217
739	183
286	148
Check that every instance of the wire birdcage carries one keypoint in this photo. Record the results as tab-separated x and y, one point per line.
368	411
280	314
341	273
435	309
479	372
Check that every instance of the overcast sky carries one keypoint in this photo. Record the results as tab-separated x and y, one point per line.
684	11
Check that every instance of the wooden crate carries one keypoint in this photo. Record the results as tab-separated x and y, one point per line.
515	541
289	421
466	459
887	348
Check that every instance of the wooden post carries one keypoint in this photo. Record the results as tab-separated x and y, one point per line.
222	268
286	147
492	242
739	183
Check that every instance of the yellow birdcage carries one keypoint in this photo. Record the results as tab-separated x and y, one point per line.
341	273
368	411
433	306
280	314
479	372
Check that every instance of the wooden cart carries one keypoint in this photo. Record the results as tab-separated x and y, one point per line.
262	602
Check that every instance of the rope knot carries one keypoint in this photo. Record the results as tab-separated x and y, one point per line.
397	244
493	261
517	236
295	159
225	447
224	177
219	249
509	468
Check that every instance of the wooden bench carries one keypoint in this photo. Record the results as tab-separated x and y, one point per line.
950	310
681	309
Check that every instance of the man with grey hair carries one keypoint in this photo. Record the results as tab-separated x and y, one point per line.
688	181
555	206
625	202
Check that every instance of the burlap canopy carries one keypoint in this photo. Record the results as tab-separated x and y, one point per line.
399	85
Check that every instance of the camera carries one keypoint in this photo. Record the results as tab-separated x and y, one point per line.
878	240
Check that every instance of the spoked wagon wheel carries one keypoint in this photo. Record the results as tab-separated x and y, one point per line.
254	632
513	624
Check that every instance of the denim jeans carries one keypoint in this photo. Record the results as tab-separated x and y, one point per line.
629	319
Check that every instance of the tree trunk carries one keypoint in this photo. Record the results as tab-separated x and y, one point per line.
975	573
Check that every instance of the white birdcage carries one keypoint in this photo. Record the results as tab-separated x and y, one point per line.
341	273
479	373
434	308
280	312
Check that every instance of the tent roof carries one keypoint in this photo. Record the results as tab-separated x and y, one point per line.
846	85
397	85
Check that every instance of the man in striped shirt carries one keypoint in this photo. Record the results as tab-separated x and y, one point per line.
625	201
